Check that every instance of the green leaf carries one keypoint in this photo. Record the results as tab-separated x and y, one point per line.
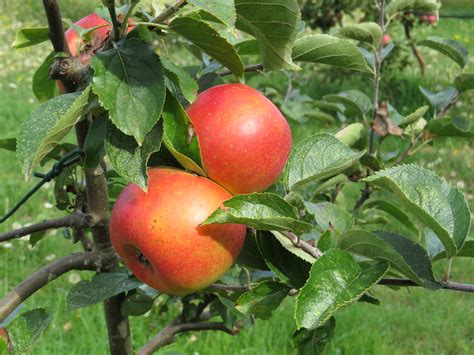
290	268
26	330
36	237
101	287
312	342
415	116
274	23
467	250
330	217
250	255
43	87
450	48
179	136
262	211
8	144
402	253
248	47
326	241
335	281
326	49
397	6
223	10
210	41
394	211
94	143
464	82
262	299
129	159
130	83
439	205
318	157
61	195
368	298
181	79
224	307
47	125
433	244
441	99
352	135
451	127
135	305
138	301
367	32
357	103
30	36
288	245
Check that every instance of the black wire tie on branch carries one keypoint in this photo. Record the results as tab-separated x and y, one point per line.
67	160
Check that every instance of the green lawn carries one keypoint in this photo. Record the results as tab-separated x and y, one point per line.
407	322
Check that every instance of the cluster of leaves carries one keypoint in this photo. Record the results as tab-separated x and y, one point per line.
135	103
325	14
331	15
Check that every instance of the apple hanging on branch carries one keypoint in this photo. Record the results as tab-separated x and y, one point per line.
245	140
158	236
95	32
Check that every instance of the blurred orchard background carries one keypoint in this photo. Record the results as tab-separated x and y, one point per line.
442	321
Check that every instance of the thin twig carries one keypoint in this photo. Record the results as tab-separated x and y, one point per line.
377	76
78	261
169	11
152	24
448	106
297	242
365	195
421	61
113	18
408	151
448	285
77	220
129	13
229	288
208	299
250	68
167	334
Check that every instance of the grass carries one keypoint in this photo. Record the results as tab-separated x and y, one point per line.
414	321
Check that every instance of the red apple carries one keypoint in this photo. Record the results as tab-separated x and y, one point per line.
423	18
386	39
91	43
245	140
432	19
158	236
88	45
97	37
